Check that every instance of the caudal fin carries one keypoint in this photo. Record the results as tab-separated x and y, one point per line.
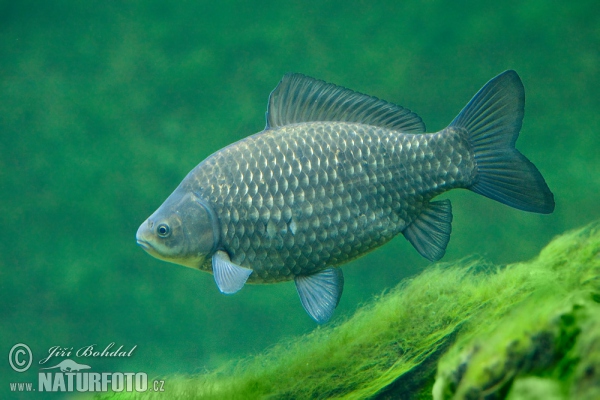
492	120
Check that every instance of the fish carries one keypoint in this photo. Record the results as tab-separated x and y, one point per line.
334	175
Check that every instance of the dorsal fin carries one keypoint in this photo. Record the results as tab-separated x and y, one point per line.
299	98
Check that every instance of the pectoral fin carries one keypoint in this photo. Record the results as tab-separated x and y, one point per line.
229	277
320	293
430	232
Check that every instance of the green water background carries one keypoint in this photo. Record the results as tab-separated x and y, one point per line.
106	106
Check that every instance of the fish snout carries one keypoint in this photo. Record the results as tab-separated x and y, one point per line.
142	234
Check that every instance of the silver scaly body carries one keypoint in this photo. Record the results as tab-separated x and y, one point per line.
298	199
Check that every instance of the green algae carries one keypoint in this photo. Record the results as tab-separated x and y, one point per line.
549	341
464	330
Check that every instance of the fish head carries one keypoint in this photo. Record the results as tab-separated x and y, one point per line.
183	230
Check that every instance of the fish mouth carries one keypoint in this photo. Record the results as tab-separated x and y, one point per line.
144	245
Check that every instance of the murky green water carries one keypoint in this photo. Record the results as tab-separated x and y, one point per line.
105	107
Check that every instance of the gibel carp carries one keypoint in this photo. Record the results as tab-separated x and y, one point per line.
334	175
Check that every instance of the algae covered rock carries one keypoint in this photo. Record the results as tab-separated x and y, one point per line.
465	330
548	344
527	355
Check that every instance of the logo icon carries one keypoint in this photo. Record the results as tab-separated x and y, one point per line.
69	366
20	357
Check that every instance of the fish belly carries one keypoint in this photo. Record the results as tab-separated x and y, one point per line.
301	198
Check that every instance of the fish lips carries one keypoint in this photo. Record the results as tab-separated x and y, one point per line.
141	234
144	245
148	248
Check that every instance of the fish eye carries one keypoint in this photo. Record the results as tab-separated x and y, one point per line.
163	230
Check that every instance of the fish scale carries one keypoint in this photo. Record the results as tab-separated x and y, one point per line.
334	175
337	190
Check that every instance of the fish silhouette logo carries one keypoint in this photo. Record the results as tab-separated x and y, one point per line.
69	366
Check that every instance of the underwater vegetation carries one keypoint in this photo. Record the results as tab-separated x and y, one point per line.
464	330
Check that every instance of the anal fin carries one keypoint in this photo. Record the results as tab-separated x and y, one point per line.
229	277
430	232
320	293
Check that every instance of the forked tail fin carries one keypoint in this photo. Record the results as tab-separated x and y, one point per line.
492	120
